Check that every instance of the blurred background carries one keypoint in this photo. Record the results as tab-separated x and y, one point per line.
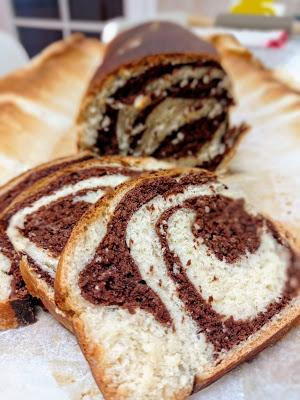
37	23
28	26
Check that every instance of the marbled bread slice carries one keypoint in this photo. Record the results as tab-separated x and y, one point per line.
39	226
16	305
173	280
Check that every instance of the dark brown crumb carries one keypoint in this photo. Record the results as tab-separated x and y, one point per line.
225	227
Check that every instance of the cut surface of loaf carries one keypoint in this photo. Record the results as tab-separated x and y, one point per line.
39	226
171	281
160	91
16	305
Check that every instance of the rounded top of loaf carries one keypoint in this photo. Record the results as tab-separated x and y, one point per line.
151	39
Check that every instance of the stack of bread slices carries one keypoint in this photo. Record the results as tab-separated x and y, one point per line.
167	277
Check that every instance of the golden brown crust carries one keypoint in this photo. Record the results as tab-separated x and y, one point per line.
8	318
151	40
23	129
93	352
38	288
263	340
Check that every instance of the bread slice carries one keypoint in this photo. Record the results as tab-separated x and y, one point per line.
39	224
160	91
173	280
16	305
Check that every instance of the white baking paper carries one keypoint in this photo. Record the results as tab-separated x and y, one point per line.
44	362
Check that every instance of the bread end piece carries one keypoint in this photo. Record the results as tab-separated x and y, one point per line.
15	313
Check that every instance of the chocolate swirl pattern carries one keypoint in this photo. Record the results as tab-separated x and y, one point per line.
39	226
16	304
178	263
160	91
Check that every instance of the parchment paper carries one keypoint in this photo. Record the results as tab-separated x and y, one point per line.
43	361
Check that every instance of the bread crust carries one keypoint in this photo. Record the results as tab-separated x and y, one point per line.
16	312
94	352
38	288
8	318
256	346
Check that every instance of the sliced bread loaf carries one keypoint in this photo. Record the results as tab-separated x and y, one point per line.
173	280
39	225
160	91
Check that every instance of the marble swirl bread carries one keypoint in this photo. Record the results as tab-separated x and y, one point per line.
16	305
37	225
160	91
173	280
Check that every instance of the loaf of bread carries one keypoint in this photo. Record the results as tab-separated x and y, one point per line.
38	225
160	91
39	102
171	281
16	305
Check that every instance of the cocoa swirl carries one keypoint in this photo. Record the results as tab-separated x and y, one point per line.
229	232
196	133
156	42
32	177
136	85
51	225
61	216
18	288
70	177
61	227
113	278
226	228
